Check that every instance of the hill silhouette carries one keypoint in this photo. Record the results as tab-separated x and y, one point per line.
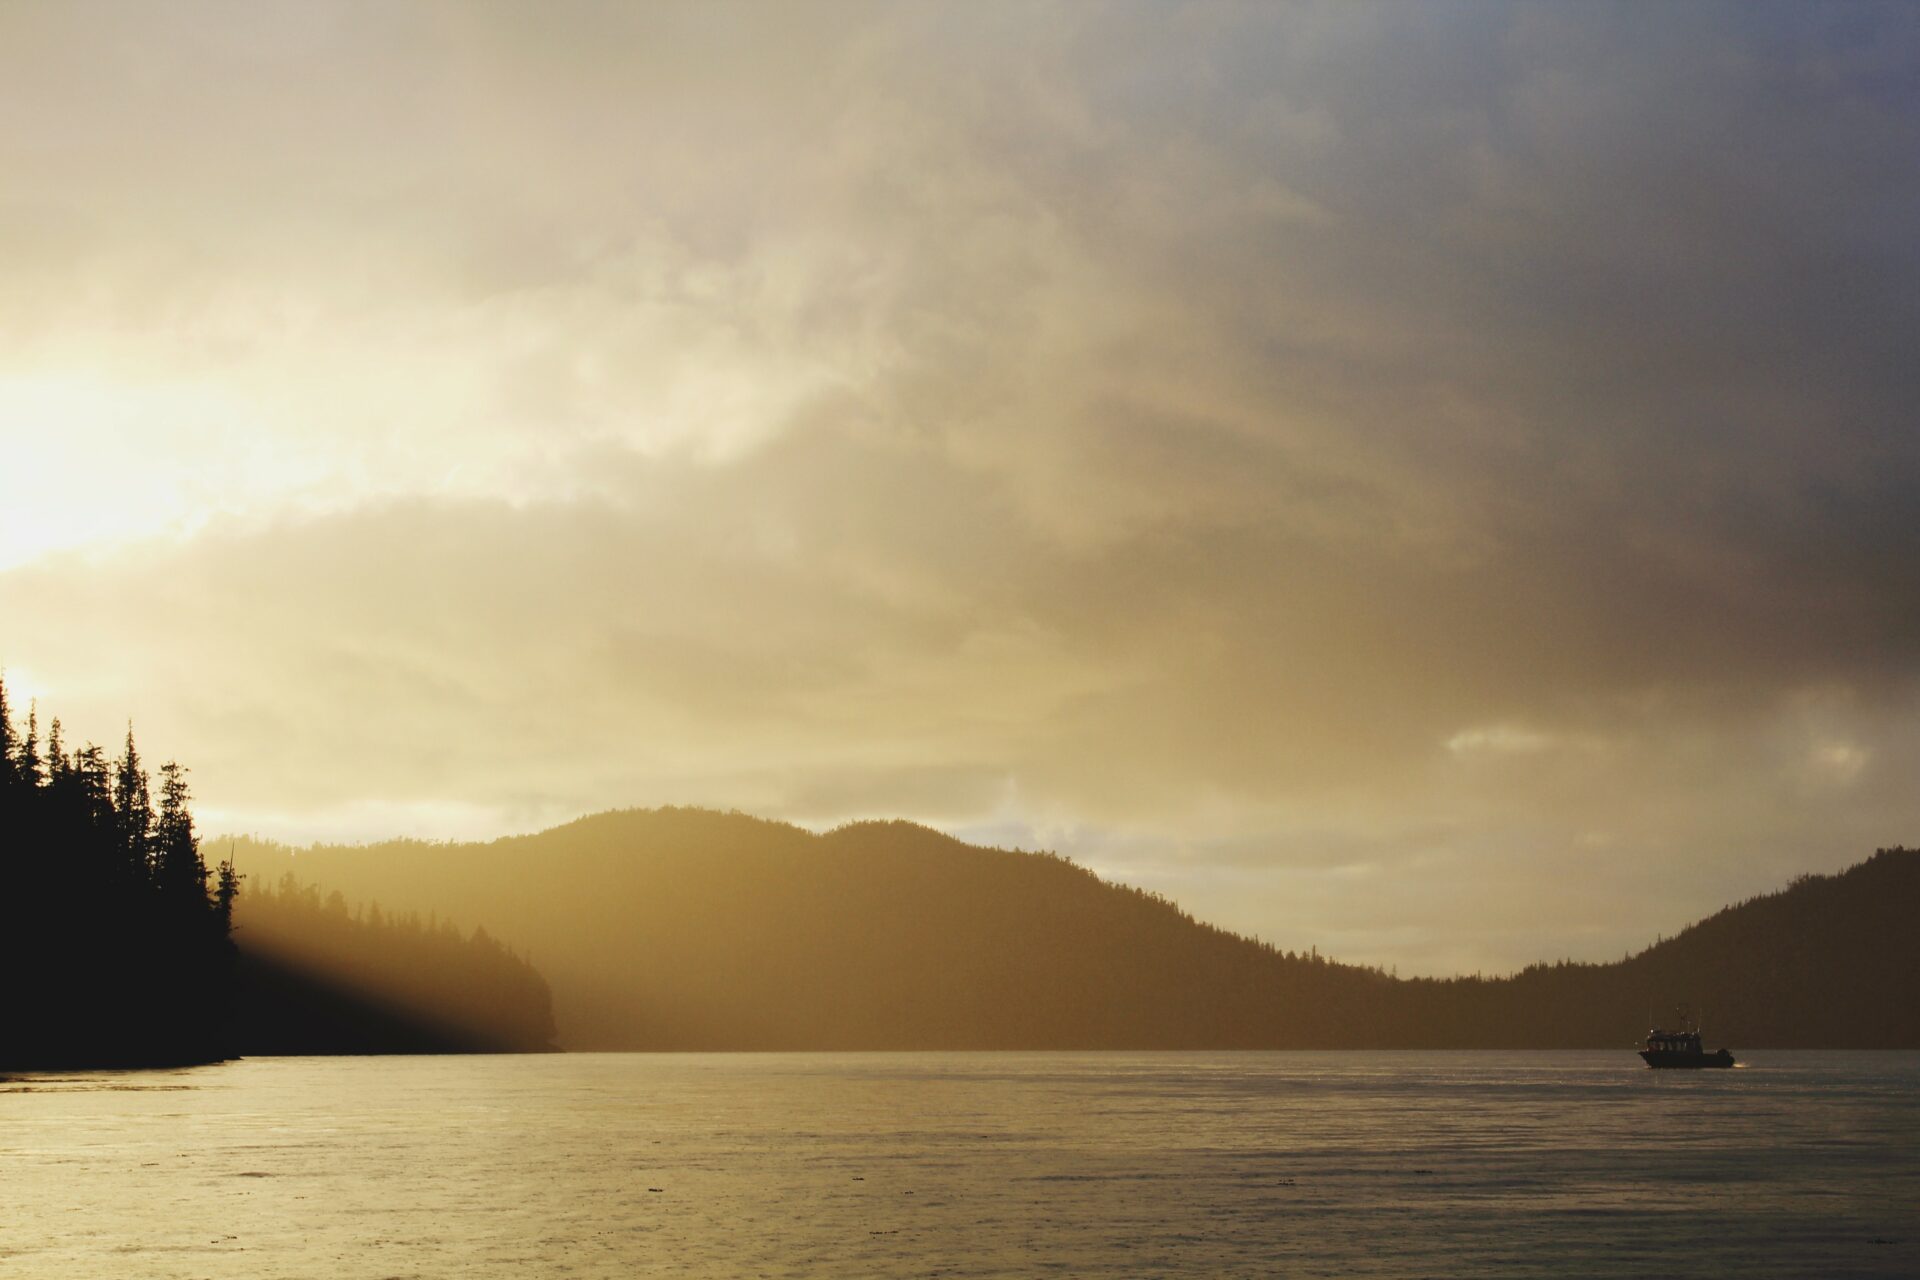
1827	962
689	929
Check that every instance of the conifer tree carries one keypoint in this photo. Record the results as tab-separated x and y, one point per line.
27	756
6	739
8	799
56	753
227	889
179	875
133	812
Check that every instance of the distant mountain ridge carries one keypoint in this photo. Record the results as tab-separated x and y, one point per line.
690	929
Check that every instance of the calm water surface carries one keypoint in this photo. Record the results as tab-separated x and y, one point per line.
1414	1164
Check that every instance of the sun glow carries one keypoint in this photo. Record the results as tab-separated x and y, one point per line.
94	462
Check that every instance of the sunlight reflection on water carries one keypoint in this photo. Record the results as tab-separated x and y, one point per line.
967	1165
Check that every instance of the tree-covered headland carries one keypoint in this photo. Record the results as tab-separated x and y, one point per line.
114	935
120	947
318	977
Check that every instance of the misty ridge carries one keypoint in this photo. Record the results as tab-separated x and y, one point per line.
688	929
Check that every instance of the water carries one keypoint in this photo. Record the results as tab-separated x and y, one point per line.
1290	1164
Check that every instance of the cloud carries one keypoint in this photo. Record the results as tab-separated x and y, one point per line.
1424	481
1499	739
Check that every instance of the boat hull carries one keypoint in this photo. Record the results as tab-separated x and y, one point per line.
1687	1061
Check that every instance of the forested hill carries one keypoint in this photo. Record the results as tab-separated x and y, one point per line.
1827	962
316	976
687	929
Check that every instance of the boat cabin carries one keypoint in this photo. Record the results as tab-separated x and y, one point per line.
1674	1041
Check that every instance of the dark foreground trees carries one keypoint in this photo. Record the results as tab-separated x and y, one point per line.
114	946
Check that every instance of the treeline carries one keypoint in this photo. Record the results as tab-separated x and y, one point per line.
317	977
688	929
113	935
1829	961
119	944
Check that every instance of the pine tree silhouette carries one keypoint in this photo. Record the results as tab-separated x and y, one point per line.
117	952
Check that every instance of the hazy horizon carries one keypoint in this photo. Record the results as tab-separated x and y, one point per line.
1430	483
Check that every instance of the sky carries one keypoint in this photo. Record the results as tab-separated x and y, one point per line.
1432	482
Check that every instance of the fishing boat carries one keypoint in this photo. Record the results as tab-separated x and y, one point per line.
1682	1048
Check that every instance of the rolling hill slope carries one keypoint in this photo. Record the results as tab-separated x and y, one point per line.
688	929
